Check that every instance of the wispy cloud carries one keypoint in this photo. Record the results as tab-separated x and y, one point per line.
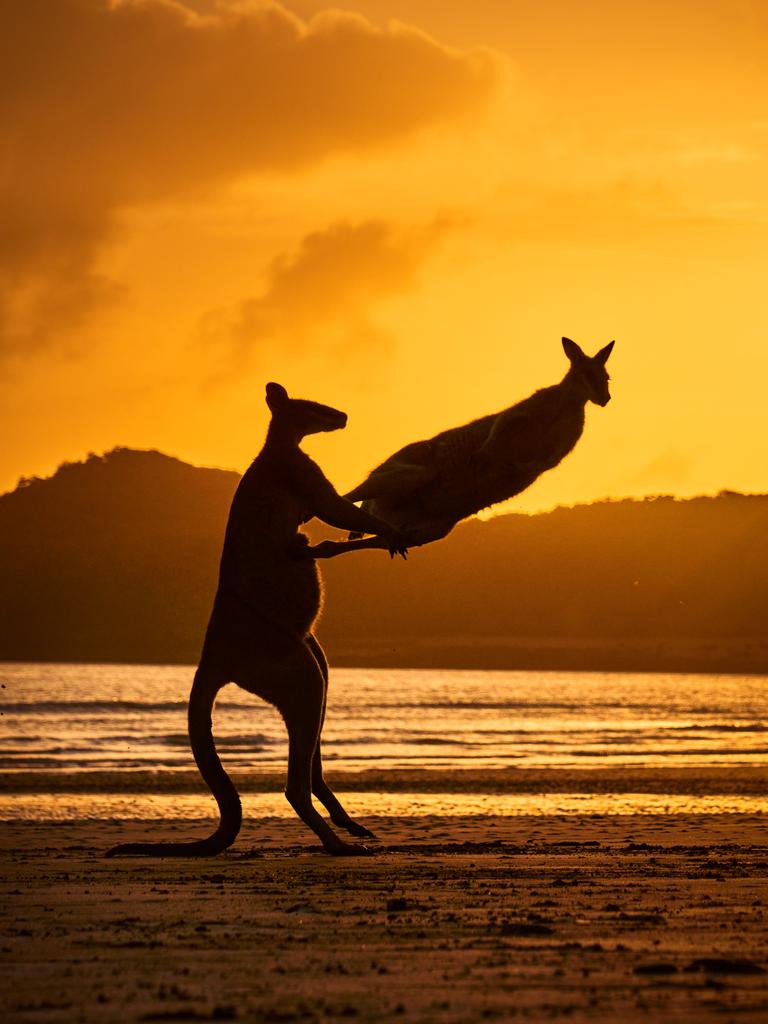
106	106
670	468
320	296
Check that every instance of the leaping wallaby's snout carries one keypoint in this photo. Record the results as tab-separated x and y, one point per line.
590	370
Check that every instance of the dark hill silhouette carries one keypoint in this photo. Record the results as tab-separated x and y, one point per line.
115	559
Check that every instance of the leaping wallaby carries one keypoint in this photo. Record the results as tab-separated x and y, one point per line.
428	487
260	631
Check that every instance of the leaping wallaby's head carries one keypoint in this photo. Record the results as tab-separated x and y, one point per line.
590	371
301	417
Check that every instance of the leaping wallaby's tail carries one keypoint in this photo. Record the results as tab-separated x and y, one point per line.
204	690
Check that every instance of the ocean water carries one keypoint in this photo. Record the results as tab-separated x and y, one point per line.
58	723
76	718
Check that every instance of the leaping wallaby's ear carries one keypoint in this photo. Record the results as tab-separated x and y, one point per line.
572	350
276	396
602	355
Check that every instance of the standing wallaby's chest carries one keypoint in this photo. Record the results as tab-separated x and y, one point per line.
267	508
261	560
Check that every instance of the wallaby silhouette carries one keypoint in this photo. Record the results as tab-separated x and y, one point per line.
260	631
427	487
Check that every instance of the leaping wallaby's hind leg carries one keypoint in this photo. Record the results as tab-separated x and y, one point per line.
320	787
303	712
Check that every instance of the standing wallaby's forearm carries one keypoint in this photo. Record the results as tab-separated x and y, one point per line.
337	511
332	548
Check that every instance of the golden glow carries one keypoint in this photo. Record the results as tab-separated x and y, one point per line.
270	806
399	221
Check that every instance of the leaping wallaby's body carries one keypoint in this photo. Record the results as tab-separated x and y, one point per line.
260	631
428	487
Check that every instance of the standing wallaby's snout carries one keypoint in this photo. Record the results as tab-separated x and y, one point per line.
260	633
300	416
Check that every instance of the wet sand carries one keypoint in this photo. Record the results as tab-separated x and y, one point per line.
460	919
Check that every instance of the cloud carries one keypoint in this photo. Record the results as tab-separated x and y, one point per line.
108	106
669	467
325	289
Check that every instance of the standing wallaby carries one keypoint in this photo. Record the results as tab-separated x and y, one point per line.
260	631
429	486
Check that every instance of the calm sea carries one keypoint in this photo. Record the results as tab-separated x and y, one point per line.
72	718
67	719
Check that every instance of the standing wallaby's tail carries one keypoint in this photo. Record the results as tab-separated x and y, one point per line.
201	699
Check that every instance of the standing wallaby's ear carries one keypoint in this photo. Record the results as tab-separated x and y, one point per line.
602	355
276	396
572	350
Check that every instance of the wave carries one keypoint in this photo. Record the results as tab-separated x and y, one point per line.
85	764
662	779
720	727
116	708
252	741
52	707
577	707
667	752
49	707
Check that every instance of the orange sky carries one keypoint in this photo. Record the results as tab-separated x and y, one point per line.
399	218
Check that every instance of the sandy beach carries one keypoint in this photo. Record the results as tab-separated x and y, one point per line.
623	917
587	848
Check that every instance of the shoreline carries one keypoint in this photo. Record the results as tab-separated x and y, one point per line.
746	780
628	655
674	655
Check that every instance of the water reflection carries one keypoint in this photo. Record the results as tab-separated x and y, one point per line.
175	806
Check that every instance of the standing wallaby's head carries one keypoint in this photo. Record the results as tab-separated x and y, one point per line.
300	416
590	371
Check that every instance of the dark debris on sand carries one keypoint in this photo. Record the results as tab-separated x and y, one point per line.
456	933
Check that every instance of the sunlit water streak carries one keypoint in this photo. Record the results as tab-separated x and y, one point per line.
182	806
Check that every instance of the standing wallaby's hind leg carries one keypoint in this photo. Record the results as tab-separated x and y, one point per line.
320	787
303	713
204	690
